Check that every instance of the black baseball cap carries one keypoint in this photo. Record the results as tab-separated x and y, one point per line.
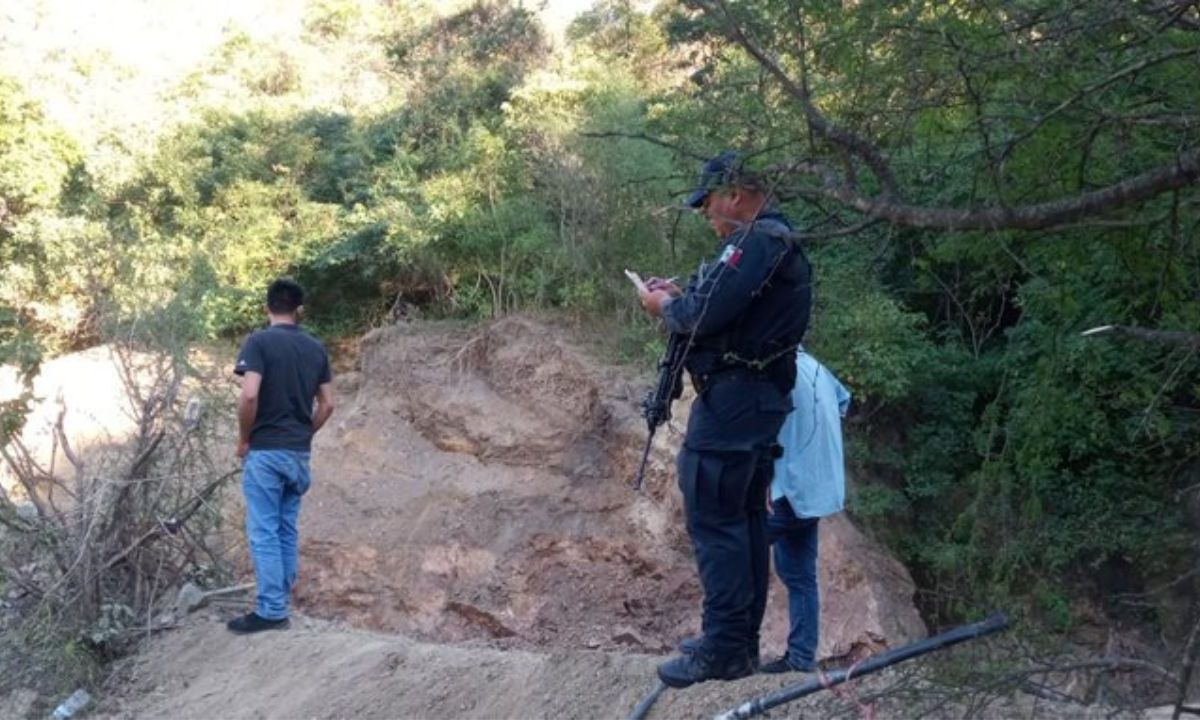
716	173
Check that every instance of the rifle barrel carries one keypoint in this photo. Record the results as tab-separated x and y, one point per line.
641	473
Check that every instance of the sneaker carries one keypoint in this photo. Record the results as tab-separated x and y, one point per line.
698	666
782	665
252	623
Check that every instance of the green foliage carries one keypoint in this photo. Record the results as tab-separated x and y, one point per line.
1003	454
35	157
38	162
20	350
332	18
616	31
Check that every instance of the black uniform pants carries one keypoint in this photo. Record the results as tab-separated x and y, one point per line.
725	470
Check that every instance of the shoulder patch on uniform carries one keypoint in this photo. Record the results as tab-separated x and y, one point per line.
732	256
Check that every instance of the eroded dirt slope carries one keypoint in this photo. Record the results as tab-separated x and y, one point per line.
475	485
472	499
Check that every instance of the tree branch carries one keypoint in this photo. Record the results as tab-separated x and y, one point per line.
816	120
1099	84
171	524
1165	337
1184	171
1190	650
1176	11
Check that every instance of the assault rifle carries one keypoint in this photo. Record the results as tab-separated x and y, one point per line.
656	406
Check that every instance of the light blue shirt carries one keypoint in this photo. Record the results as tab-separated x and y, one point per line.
812	472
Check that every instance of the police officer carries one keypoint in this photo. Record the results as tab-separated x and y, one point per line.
743	316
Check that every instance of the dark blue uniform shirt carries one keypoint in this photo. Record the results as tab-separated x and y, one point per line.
750	307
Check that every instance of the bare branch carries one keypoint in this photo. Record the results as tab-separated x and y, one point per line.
1099	84
137	468
816	119
61	437
1176	12
1190	650
1166	337
171	524
27	472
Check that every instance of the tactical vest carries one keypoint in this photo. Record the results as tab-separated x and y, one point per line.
763	339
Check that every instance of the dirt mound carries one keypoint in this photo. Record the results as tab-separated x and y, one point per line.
315	671
510	394
475	486
320	670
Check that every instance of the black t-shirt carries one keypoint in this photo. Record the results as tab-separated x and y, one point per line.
293	364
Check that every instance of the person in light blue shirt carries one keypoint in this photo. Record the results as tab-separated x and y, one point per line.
809	483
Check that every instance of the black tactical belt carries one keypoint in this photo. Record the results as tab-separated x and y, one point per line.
731	374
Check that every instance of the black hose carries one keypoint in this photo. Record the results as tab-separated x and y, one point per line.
763	703
643	708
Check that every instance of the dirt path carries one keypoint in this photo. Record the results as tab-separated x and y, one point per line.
318	671
322	670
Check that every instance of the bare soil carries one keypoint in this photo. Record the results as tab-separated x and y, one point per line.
475	486
321	670
324	670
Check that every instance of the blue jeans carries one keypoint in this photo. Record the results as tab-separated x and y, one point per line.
795	541
273	482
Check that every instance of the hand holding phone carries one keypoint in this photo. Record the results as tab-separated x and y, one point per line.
665	284
636	280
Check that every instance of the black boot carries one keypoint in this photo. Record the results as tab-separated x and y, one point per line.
702	664
253	622
689	645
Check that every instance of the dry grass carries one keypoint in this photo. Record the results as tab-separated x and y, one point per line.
97	536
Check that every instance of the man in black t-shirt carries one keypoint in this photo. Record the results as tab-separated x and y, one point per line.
283	369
